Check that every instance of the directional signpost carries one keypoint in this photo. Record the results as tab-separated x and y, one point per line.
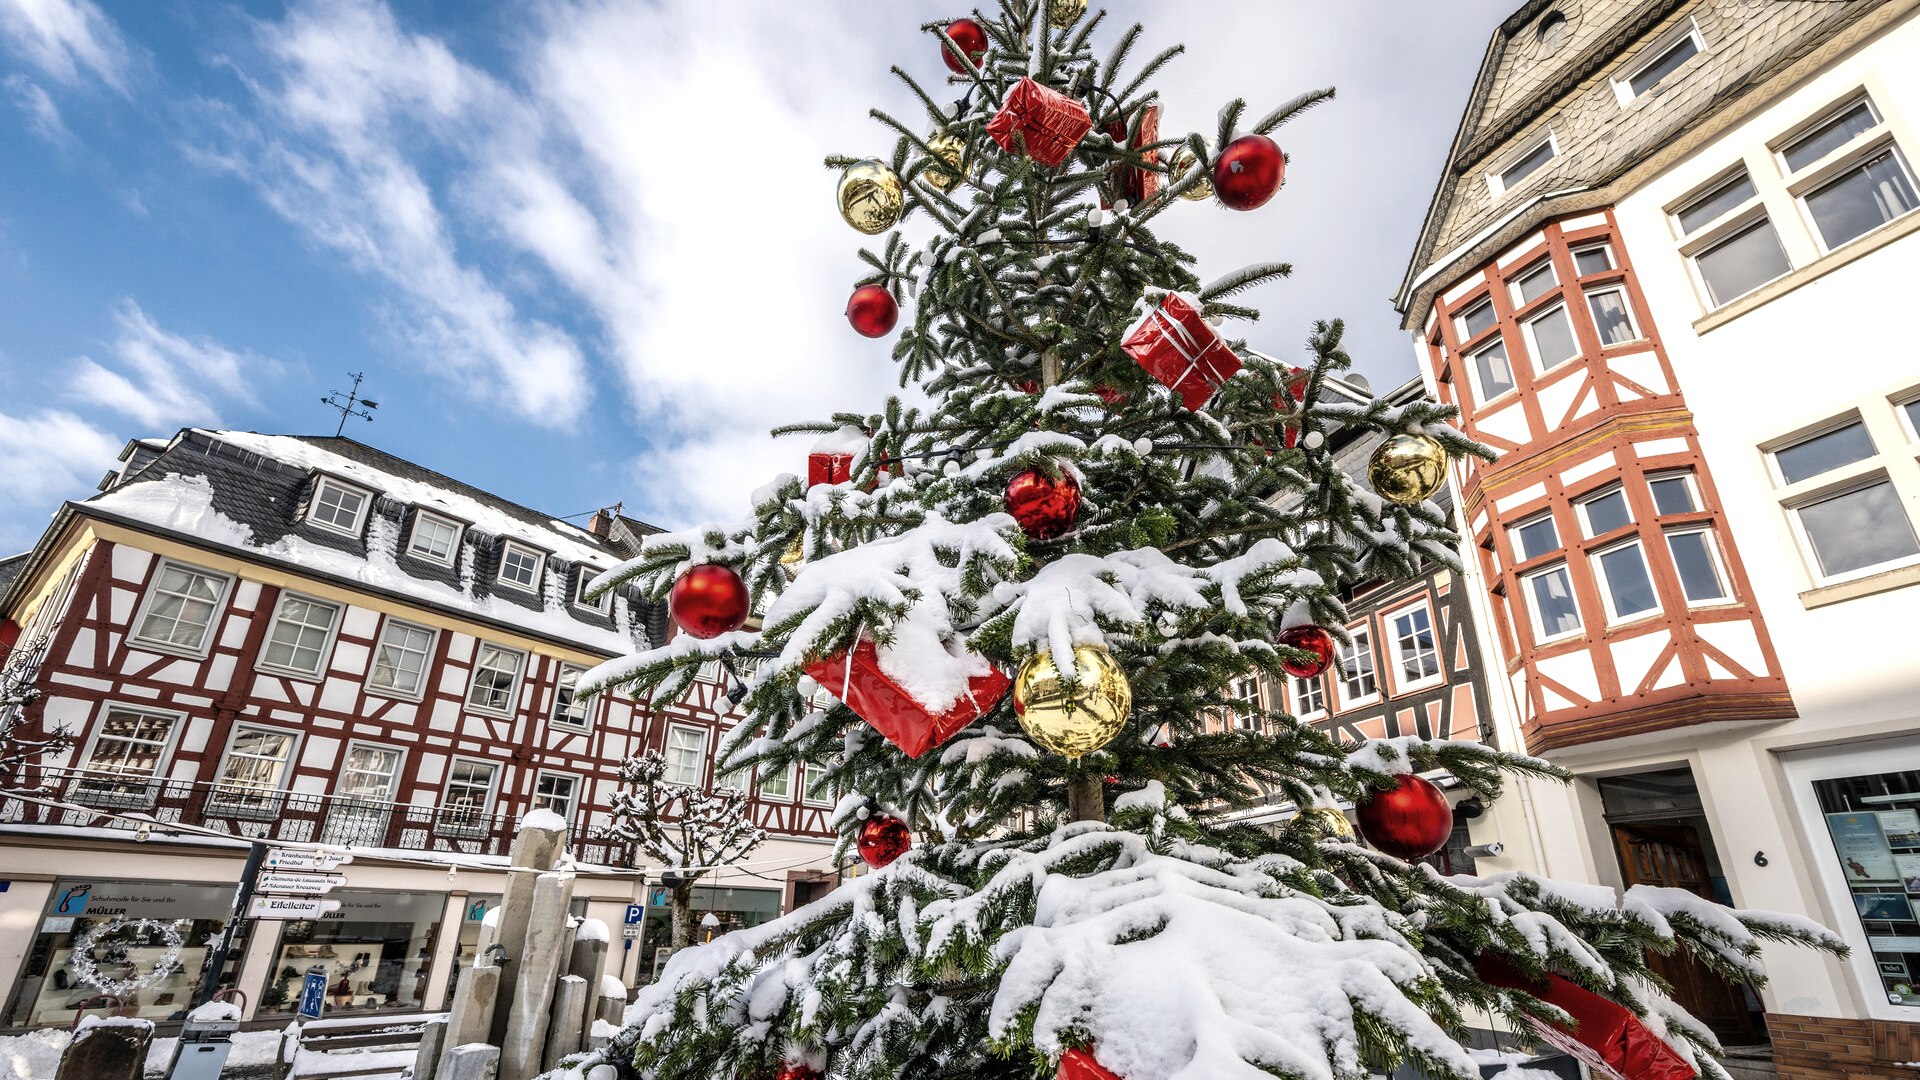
289	907
278	859
294	881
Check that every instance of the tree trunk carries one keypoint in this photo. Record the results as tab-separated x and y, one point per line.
1086	799
680	903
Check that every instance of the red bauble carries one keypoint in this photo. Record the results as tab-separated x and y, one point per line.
1080	1065
1043	506
883	838
972	39
709	600
1248	172
1410	820
872	310
1311	639
1108	394
798	1072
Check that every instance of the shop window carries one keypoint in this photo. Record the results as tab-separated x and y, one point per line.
122	767
496	674
375	955
1358	682
254	775
467	804
1873	822
433	538
301	635
1416	657
569	709
556	792
400	660
180	608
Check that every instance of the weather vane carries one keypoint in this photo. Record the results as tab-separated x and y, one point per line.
347	408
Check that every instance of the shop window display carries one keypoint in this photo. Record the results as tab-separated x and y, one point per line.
474	914
1874	823
375	952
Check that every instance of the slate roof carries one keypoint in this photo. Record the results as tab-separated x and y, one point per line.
10	568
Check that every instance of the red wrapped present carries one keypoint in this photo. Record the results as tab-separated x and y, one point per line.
831	459
1605	1035
1177	347
855	678
1297	389
1135	183
1080	1065
1050	122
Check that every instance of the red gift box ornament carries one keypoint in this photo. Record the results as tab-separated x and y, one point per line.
1080	1065
1050	123
1613	1042
854	676
1136	183
831	459
1176	346
1296	389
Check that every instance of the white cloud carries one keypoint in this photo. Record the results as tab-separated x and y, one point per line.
163	380
43	116
68	40
51	456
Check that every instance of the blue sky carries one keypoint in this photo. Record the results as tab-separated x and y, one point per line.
583	251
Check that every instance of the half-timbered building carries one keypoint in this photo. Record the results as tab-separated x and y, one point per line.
306	641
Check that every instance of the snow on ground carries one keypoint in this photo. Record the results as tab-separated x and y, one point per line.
36	1055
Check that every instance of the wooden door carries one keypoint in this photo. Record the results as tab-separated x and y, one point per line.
1671	856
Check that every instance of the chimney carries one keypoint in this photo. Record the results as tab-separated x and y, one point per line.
601	524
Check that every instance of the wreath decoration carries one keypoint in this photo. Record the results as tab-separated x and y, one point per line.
86	969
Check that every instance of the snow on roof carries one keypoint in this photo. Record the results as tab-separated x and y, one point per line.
556	537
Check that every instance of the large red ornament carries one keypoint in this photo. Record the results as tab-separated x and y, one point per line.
872	310
1136	183
1311	639
1605	1035
1108	394
1049	122
1176	346
883	838
854	676
798	1072
972	39
709	600
1080	1065
1043	506
1248	172
1410	820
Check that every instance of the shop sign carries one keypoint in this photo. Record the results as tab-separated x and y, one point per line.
278	859
290	907
288	881
140	900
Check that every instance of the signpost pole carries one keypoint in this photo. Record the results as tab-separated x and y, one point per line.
222	945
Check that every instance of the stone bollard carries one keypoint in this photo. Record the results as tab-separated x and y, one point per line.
612	1005
473	1008
530	1010
474	1061
433	1042
110	1049
588	961
536	849
563	1032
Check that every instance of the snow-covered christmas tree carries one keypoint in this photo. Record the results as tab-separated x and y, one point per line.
1002	621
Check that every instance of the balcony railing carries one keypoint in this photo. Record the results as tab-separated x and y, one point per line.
284	817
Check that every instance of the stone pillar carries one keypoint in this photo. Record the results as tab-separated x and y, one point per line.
528	1013
569	1009
588	960
612	1007
433	1043
110	1051
474	1061
473	1009
536	849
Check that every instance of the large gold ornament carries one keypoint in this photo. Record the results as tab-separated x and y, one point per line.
1407	469
1327	821
1184	159
870	196
950	151
1072	720
1064	13
791	559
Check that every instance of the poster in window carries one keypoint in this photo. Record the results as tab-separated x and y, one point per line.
1909	871
1862	847
1883	907
1902	827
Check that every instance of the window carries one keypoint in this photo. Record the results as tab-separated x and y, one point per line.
1911	412
736	780
1309	697
1533	282
1245	710
302	629
1474	321
777	784
1611	318
1697	561
1413	644
1867	802
255	771
1549	590
1625	584
1355	660
568	710
581	580
1830	134
123	765
1662	60
369	773
686	755
1673	494
1525	164
815	789
1597	259
433	538
338	507
1847	173
520	566
1731	241
469	796
1606	512
400	660
496	672
1852	522
1550	338
1491	371
555	792
180	608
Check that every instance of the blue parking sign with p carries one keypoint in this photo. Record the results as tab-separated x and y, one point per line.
634	914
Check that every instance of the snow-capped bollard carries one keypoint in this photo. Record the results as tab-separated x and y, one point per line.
536	849
109	1048
474	1004
563	1030
474	1061
539	966
433	1043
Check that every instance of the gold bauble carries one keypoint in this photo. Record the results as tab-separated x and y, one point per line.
1064	13
1184	159
949	164
1407	469
1326	821
794	555
870	196
1072	720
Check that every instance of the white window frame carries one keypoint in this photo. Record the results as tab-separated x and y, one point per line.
737	780
163	759
1244	713
1304	692
1356	635
573	799
271	798
320	485
326	648
1472	359
806	785
700	766
1714	233
426	661
1540	635
1890	463
513	683
1460	330
453	547
1685	476
1497	176
581	577
1519	299
1713	555
508	547
1584	502
1653	54
1626	305
559	718
1539	358
1400	681
1909	426
1575	251
448	818
393	782
1605	586
208	637
785	775
1820	173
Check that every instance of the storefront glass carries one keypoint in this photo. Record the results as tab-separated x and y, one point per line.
1874	822
375	952
52	985
732	908
474	914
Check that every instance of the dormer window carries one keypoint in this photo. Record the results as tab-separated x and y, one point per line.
581	580
1529	160
338	507
1658	61
433	538
520	566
